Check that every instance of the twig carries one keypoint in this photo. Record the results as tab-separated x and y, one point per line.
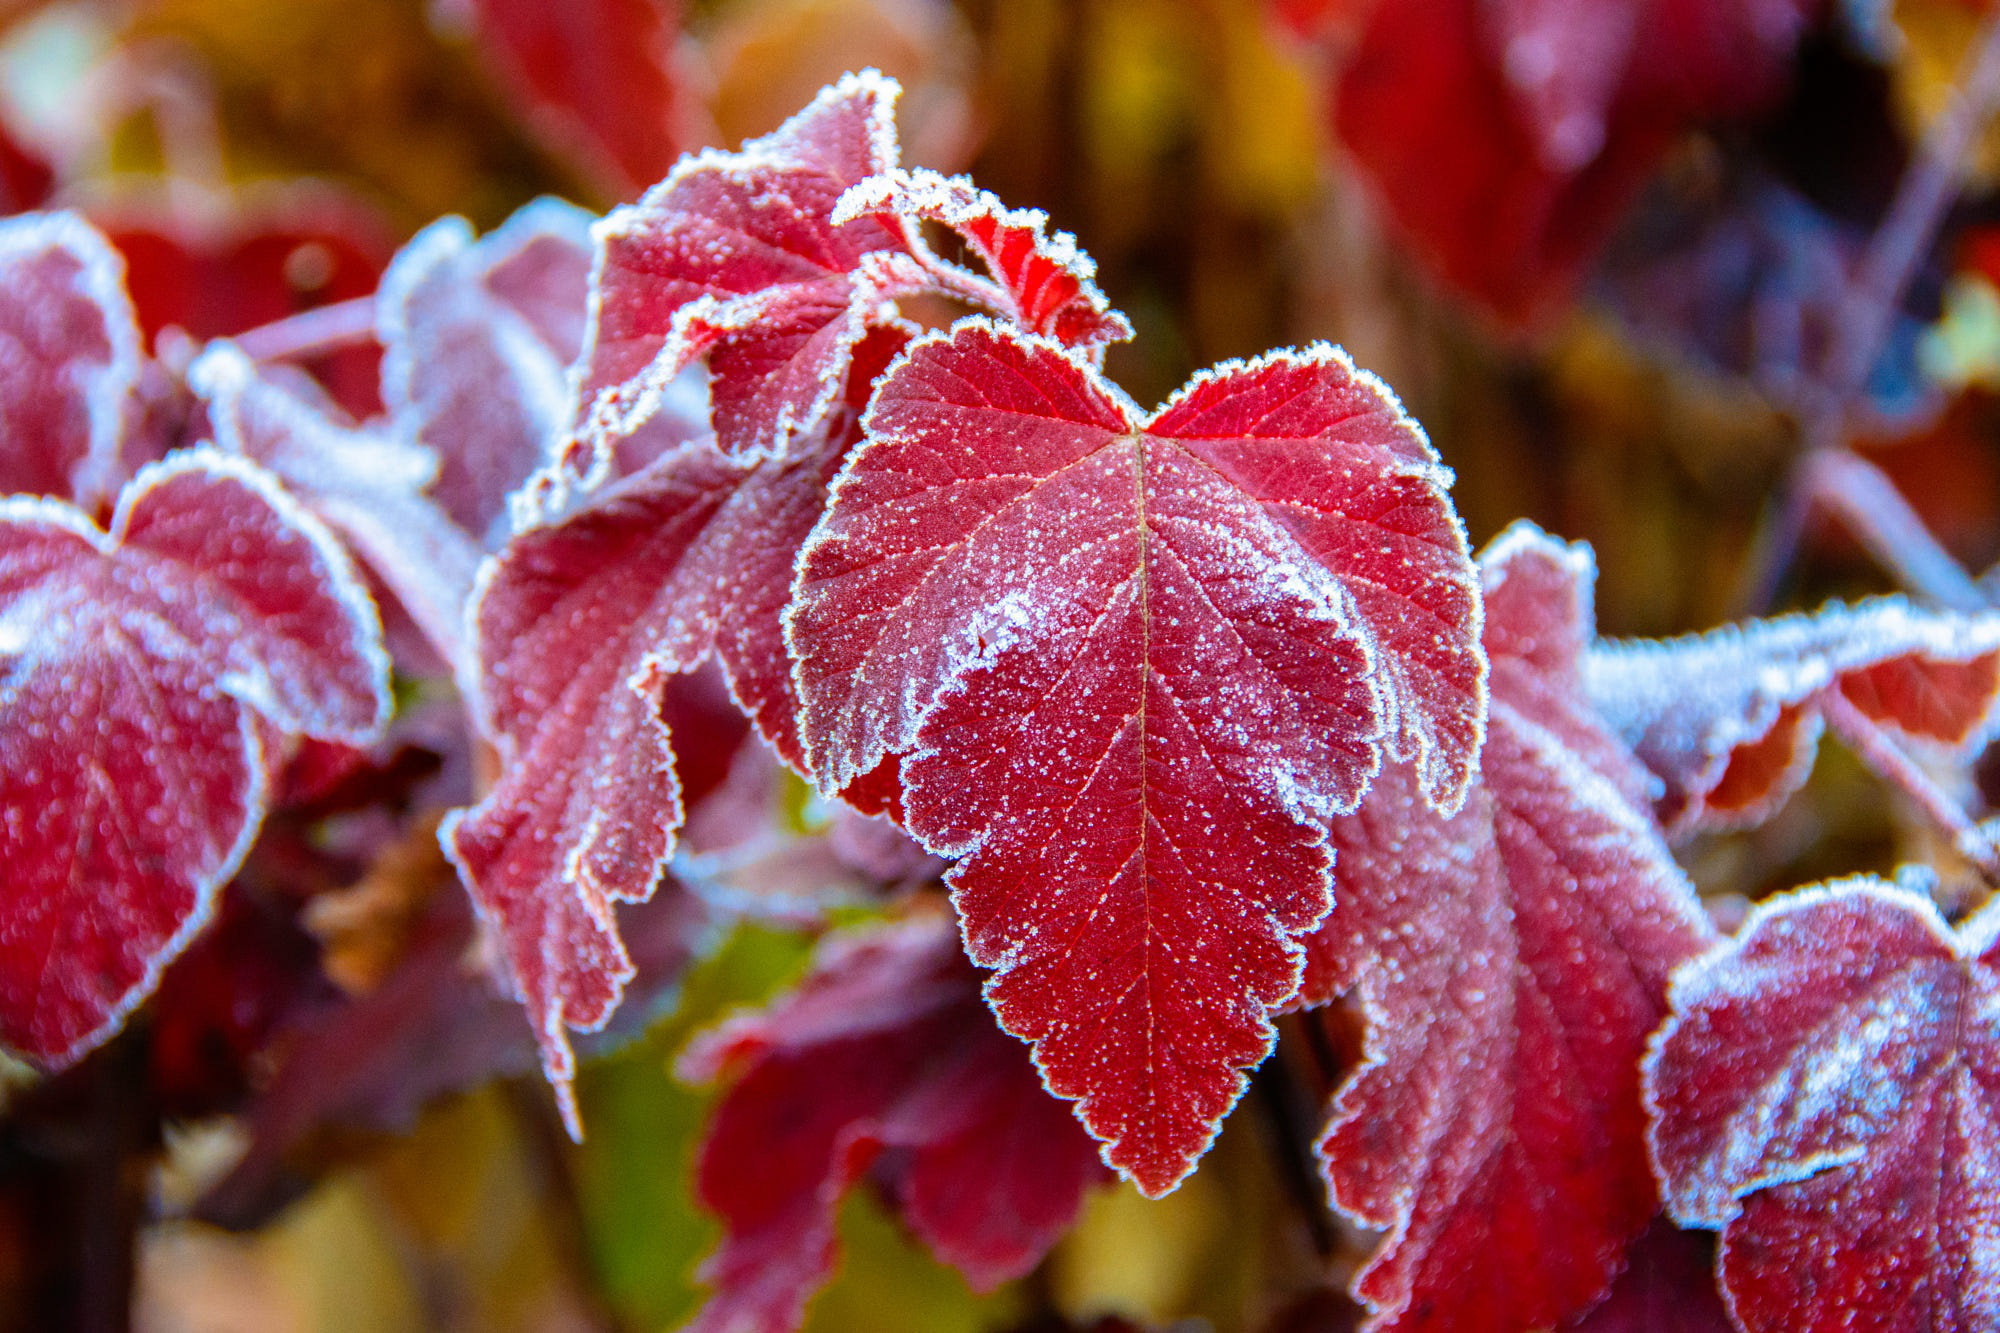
1829	472
327	328
1925	192
1889	762
1868	503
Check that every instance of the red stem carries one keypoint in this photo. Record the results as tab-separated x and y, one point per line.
1927	188
1887	759
327	328
1868	503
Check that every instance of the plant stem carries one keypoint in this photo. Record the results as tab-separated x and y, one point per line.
1928	186
1877	514
1868	503
1889	762
327	328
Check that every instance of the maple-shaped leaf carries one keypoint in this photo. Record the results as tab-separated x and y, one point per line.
595	78
366	485
1728	722
477	340
736	256
1134	662
1826	1094
143	667
1043	282
1507	136
580	621
1511	960
883	1063
69	358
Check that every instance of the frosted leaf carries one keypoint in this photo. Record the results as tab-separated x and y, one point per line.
885	1064
1826	1094
478	337
69	358
1131	665
1042	281
580	622
736	257
143	667
1728	722
367	486
1510	960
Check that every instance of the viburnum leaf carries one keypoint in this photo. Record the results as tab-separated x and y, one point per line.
366	485
1728	721
143	666
1507	136
477	340
736	256
1043	282
69	358
579	622
882	1064
1511	960
595	77
1132	664
1826	1093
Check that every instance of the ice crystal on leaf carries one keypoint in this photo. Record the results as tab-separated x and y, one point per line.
1042	282
736	257
1728	722
1826	1094
69	359
144	667
1511	960
883	1064
1132	664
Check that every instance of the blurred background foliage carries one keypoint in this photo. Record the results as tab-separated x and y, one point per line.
255	157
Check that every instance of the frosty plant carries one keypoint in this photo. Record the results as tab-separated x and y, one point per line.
1208	710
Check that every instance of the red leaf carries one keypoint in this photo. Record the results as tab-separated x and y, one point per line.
1044	282
1728	722
1133	663
1825	1093
596	77
478	337
366	486
736	256
1507	136
71	358
139	663
1668	1286
580	622
1511	960
884	1058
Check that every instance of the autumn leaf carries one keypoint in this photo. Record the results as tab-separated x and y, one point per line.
1824	1094
1510	960
884	1063
1133	663
144	664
